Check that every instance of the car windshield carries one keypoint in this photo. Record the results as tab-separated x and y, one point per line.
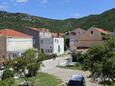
74	83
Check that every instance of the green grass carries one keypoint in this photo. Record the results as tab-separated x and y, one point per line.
48	80
74	67
42	79
113	84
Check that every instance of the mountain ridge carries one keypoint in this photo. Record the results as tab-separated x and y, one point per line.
19	21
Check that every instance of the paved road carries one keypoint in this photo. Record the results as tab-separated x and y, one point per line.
64	74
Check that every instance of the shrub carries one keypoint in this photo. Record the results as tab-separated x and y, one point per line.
33	69
7	74
76	57
7	82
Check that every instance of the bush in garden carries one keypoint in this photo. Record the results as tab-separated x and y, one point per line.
76	57
33	69
7	82
7	74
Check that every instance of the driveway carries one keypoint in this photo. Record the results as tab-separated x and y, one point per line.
64	74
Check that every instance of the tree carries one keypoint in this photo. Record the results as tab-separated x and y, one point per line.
100	60
66	43
7	74
77	57
28	64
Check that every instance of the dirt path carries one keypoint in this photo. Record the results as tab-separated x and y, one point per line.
64	74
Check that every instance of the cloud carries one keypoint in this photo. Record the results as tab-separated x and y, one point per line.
21	1
44	1
75	15
4	5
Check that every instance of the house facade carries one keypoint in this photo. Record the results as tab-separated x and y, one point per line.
52	45
45	40
37	33
72	36
91	37
14	43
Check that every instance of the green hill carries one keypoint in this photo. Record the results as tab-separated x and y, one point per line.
19	21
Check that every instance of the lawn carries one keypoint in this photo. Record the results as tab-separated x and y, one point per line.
42	79
48	80
113	84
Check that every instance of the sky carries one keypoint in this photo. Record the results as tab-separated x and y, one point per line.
57	9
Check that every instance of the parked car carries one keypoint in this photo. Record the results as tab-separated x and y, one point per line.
76	80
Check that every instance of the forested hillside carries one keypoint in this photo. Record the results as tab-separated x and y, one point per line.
19	21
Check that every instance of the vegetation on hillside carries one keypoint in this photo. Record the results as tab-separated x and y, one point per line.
19	21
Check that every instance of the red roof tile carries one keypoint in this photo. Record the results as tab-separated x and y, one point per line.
78	29
13	33
102	31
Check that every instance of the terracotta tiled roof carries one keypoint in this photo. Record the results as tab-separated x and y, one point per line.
102	31
40	29
13	33
78	29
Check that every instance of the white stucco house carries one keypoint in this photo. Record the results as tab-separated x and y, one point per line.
13	43
37	33
52	45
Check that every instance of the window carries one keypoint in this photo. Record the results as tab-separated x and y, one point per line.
51	50
41	41
46	50
55	40
34	41
50	46
103	38
3	56
58	48
91	32
73	33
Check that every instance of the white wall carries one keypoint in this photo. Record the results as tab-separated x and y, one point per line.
72	39
47	45
45	35
46	42
58	42
50	45
19	44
